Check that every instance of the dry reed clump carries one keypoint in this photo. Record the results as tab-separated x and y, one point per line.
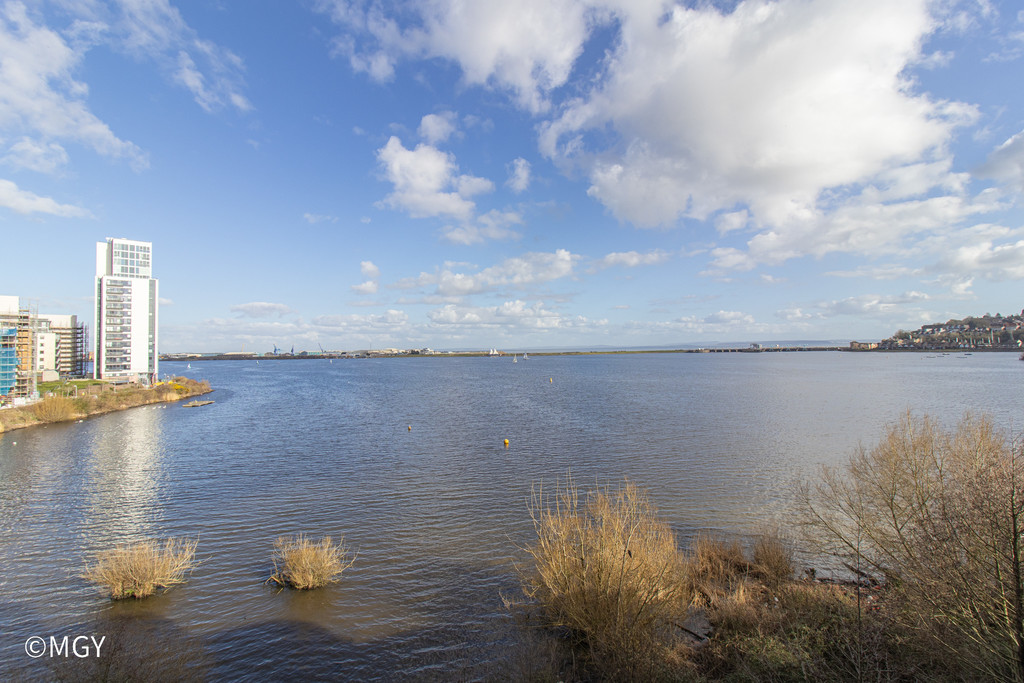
137	570
606	569
54	409
301	563
773	559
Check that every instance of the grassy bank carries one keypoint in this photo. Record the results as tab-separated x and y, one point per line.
100	398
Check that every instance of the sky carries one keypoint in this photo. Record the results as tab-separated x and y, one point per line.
353	174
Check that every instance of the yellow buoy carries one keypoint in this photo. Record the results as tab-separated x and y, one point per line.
506	443
410	428
551	379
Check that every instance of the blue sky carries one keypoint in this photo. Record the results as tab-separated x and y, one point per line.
544	173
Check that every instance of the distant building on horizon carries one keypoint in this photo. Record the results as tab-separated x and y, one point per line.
126	339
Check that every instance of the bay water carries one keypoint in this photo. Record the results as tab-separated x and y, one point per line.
405	458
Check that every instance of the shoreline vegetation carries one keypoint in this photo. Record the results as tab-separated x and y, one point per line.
925	532
97	398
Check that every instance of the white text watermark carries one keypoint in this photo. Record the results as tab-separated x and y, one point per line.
64	646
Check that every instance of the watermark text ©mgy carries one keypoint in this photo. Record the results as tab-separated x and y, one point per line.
78	646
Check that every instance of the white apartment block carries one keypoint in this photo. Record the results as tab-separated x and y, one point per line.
126	311
61	342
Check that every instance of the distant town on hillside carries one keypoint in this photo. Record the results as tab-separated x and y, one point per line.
975	332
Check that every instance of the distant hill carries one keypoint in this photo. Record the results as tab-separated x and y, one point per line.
974	332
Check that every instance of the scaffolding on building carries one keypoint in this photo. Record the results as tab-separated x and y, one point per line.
24	323
8	360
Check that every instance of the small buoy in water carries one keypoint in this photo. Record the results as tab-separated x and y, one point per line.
410	428
506	443
551	379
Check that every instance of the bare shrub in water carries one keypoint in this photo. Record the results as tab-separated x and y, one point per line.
941	515
301	563
137	570
606	569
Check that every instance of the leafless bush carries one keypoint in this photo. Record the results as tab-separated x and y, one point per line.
137	570
940	515
303	564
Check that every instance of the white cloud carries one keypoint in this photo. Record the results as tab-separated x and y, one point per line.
368	287
44	157
890	309
527	47
509	316
782	117
435	128
729	318
154	29
426	182
520	272
39	97
632	259
767	106
361	324
314	218
519	175
1006	163
25	202
733	220
261	309
369	269
493	225
996	262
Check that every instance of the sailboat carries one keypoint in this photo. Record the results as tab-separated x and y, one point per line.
515	359
526	356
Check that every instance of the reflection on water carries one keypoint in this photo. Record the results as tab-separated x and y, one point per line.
125	467
436	512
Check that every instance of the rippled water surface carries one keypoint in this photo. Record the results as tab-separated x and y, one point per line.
405	458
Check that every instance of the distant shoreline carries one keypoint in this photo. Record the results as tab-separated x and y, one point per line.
175	358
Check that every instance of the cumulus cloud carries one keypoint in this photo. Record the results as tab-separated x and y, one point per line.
520	272
493	225
997	262
766	106
391	320
891	309
426	181
261	309
519	175
510	316
368	287
435	128
35	155
25	202
632	259
770	116
527	48
369	269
